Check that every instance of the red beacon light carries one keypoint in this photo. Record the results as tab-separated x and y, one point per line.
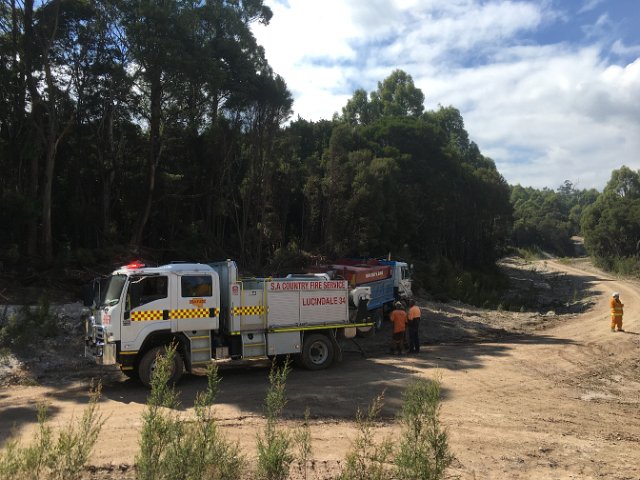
135	264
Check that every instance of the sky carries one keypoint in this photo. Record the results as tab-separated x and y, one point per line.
548	89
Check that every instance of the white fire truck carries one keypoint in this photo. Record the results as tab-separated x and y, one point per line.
211	314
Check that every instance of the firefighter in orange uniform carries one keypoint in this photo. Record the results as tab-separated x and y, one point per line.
399	319
616	312
414	327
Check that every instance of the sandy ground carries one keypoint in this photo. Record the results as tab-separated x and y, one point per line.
525	395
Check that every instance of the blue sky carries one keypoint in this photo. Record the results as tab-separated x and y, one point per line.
549	89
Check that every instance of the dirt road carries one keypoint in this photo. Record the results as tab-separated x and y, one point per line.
556	400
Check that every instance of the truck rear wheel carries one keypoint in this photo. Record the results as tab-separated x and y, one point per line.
317	352
378	319
148	365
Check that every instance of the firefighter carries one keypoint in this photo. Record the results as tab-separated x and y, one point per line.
616	312
413	325
399	319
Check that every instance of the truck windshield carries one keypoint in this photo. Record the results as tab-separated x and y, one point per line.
114	290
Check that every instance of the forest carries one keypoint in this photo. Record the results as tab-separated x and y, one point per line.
159	130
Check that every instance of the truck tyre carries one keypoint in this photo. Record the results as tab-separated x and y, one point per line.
317	352
148	364
378	319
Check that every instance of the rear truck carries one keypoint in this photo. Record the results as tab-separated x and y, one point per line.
389	280
211	314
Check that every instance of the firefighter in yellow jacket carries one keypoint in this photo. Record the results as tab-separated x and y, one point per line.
616	312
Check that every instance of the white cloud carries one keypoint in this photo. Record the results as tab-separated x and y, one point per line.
544	113
589	5
619	48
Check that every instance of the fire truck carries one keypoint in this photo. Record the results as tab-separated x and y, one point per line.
389	280
211	314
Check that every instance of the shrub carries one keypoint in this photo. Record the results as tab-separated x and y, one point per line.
50	457
423	453
367	458
171	448
29	326
302	439
274	457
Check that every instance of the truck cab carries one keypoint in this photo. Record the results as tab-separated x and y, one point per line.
401	278
141	307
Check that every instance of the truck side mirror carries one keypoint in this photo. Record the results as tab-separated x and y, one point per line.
87	295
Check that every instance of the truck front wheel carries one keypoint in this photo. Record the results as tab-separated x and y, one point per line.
317	352
148	365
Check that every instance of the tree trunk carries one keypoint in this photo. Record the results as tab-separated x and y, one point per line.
27	43
153	160
47	190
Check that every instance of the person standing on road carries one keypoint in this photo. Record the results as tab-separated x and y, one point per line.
616	312
399	319
413	326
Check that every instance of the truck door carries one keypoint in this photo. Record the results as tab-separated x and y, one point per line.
405	281
147	305
198	302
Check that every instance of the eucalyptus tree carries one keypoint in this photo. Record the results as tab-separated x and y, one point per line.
190	57
398	96
611	225
40	108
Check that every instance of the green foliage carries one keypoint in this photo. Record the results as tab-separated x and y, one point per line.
30	326
444	280
274	444
423	452
287	259
611	225
302	440
160	429
368	457
546	219
530	254
50	456
170	447
195	163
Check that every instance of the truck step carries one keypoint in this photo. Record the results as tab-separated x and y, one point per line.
254	345
200	346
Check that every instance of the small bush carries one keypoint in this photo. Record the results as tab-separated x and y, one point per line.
368	459
423	453
274	456
159	429
171	448
29	326
302	439
54	458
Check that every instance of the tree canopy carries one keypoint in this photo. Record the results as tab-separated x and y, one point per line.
161	125
547	219
611	225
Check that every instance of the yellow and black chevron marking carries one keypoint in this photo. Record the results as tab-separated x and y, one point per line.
144	315
194	313
249	310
